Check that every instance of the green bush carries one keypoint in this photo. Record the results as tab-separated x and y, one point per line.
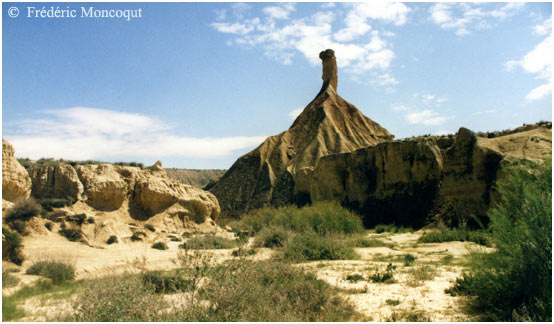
123	298
385	277
237	291
270	291
165	283
12	250
23	210
79	219
112	239
159	246
456	234
57	271
310	246
272	237
409	259
48	204
367	242
321	217
8	280
74	235
19	226
208	242
138	236
391	228
150	227
515	282
354	277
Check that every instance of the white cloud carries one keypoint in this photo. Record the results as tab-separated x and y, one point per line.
357	18
235	28
429	99
280	12
89	133
426	117
295	113
478	113
539	62
464	17
282	38
543	29
400	107
385	80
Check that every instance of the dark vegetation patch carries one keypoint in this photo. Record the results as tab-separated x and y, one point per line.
8	280
58	272
444	234
138	236
23	210
112	239
160	246
384	277
166	283
12	249
72	234
391	228
514	283
208	242
311	247
50	203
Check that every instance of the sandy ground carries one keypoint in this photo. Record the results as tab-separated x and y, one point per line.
376	301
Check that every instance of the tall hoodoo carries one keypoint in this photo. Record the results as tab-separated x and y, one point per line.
330	74
268	175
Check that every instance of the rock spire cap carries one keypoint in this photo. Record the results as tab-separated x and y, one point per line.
330	75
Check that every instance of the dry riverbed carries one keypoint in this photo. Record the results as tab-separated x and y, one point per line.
412	290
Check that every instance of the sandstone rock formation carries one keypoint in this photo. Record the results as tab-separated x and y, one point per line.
328	125
124	192
16	183
56	181
412	182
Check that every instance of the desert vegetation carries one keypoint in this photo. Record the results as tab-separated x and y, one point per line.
514	283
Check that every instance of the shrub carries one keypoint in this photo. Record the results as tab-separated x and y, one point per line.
19	226
13	247
270	291
123	298
74	235
48	204
8	280
138	236
515	281
57	271
393	302
272	237
165	283
391	228
386	277
243	252
310	246
354	277
159	246
112	239
321	217
207	242
150	227
23	210
90	220
367	242
78	218
174	238
49	226
458	234
409	259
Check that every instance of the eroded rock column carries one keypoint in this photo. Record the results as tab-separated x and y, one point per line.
330	74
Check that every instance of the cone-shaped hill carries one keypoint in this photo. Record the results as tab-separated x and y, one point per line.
328	125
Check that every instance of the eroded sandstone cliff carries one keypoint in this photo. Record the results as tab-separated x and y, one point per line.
16	183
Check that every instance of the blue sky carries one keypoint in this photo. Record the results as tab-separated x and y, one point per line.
196	85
